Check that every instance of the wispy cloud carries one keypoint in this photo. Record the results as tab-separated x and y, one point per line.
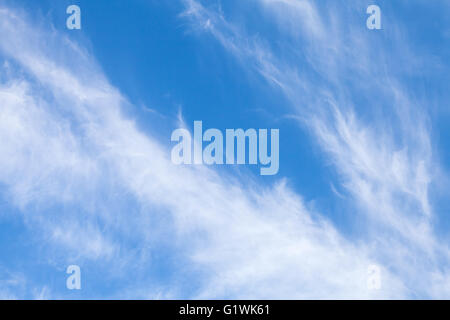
386	164
75	165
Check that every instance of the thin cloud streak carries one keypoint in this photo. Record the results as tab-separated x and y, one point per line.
65	127
387	164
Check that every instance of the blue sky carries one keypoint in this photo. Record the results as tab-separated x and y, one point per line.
86	177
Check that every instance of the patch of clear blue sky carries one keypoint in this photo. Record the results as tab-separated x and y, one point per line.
150	54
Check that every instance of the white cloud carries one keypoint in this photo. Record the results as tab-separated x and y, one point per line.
385	163
66	143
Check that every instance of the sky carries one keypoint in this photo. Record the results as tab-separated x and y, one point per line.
87	179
